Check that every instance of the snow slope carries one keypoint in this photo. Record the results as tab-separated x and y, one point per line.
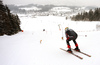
31	8
25	48
61	9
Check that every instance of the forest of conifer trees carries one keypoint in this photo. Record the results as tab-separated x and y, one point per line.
92	15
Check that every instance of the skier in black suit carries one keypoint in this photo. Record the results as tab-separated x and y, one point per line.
71	35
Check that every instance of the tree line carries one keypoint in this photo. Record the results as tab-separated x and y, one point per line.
92	15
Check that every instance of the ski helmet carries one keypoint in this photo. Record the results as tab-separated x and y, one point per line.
66	28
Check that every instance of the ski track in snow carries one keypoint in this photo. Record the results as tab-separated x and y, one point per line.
24	48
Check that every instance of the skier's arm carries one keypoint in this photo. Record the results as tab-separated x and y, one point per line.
66	34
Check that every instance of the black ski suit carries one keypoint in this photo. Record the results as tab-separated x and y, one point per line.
71	35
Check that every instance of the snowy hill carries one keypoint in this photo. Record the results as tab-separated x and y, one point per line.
61	9
31	8
25	48
46	10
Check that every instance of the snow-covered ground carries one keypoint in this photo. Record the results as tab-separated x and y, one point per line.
30	8
25	48
61	9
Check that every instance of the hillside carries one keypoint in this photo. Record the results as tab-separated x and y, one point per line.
48	9
25	48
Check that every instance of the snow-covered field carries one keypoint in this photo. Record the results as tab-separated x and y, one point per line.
25	48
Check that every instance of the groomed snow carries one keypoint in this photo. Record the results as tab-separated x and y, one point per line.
25	48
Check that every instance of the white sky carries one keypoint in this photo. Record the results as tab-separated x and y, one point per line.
55	2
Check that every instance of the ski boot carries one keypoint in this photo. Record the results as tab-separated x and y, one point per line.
69	50
77	49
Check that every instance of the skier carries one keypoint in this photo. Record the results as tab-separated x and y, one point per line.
71	35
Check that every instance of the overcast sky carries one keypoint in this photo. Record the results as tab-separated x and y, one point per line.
55	2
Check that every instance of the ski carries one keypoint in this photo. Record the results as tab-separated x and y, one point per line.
83	53
72	54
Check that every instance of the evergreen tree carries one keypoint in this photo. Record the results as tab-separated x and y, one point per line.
91	14
9	23
97	14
